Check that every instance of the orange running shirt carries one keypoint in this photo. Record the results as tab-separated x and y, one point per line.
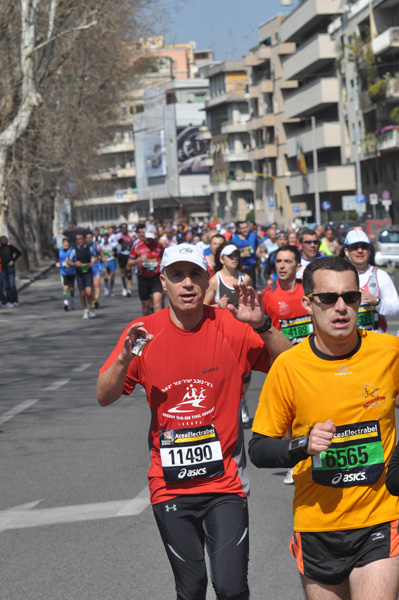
358	394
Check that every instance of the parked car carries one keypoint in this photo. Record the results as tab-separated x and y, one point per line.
387	247
372	227
342	229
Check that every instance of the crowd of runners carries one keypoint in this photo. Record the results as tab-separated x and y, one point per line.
311	314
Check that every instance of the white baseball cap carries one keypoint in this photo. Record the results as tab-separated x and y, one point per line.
184	253
150	232
355	236
227	250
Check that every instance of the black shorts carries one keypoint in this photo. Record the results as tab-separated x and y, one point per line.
68	280
84	280
328	557
219	521
148	286
122	260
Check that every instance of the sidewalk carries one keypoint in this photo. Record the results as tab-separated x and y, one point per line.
22	280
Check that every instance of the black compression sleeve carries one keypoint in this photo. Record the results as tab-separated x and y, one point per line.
269	452
392	480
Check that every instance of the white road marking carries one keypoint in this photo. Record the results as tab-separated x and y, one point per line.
16	410
82	367
26	515
56	385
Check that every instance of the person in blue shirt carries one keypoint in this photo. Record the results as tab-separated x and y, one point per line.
67	273
247	243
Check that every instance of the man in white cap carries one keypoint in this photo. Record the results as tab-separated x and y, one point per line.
192	367
379	296
147	254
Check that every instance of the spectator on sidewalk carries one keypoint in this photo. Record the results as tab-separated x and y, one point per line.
9	254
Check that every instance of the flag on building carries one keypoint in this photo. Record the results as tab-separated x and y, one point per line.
300	160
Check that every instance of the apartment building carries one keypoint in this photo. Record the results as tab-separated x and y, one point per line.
366	37
113	196
172	174
267	123
232	183
312	112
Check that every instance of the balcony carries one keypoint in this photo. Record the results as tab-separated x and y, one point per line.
305	17
259	56
236	156
266	151
207	161
117	147
268	120
307	99
340	178
230	127
120	197
327	135
388	140
310	57
288	85
232	185
283	49
110	174
224	97
387	42
204	134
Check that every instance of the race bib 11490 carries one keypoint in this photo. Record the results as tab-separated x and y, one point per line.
190	453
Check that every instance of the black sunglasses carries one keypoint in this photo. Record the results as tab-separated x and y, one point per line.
332	297
354	247
315	242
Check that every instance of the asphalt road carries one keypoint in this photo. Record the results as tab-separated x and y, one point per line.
75	523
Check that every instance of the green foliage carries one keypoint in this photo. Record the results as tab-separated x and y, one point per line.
250	216
377	90
351	215
394	115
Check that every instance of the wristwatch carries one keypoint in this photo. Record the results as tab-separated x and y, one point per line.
298	444
265	327
378	301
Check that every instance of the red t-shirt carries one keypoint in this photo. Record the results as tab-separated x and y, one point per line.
286	311
125	241
153	252
193	381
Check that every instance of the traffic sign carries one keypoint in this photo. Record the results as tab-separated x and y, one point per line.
373	198
360	198
270	203
296	209
305	213
386	195
387	204
119	195
348	202
326	205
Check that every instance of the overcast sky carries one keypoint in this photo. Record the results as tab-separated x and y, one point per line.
230	27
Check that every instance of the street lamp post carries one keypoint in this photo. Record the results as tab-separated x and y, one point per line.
315	172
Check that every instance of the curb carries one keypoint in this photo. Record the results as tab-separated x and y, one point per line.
24	283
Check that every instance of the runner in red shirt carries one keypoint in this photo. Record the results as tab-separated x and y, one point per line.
192	368
147	254
282	301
